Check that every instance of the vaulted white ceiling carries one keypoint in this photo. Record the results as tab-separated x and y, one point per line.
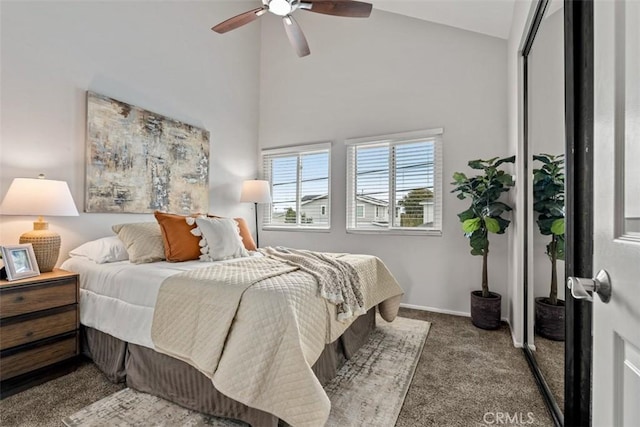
491	17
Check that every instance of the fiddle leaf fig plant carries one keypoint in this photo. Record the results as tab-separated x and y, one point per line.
484	216
548	203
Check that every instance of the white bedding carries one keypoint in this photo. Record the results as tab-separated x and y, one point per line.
118	298
263	356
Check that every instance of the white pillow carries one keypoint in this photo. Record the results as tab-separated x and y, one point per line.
220	239
101	251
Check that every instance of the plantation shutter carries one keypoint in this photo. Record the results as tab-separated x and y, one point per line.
394	182
300	185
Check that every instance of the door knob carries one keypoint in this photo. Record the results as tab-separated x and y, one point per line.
601	285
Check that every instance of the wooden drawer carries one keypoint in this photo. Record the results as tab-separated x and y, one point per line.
38	357
33	329
27	299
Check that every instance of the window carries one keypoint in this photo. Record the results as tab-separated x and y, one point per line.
401	174
300	182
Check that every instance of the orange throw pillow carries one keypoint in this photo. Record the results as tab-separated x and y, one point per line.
179	243
245	233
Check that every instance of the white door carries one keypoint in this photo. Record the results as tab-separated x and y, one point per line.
616	325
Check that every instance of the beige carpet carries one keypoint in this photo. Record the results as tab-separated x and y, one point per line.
467	377
463	374
368	390
550	357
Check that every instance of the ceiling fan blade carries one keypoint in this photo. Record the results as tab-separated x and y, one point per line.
349	9
296	36
239	20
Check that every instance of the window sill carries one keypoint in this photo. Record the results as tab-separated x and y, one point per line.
303	229
396	232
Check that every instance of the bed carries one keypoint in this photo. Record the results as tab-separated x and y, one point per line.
283	343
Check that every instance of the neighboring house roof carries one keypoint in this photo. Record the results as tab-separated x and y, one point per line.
312	198
365	199
372	200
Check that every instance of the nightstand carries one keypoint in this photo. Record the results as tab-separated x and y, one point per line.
39	328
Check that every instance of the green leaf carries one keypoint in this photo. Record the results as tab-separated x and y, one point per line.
477	252
557	227
505	179
496	209
459	177
476	164
560	248
544	225
492	224
471	225
468	214
544	158
511	159
504	224
478	240
556	210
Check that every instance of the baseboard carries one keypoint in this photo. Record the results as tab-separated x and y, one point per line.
436	310
443	311
516	344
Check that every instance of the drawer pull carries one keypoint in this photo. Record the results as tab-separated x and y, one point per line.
19	298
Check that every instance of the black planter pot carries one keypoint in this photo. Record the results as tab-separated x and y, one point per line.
485	312
549	322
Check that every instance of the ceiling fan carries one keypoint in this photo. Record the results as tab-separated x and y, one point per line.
284	8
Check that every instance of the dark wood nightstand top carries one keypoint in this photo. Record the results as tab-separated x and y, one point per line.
44	277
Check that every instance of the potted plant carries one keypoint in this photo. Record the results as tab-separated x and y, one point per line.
548	203
484	216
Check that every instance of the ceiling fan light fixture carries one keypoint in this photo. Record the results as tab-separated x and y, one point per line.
280	7
287	20
261	12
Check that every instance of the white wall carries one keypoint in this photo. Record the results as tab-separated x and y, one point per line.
390	74
547	132
161	56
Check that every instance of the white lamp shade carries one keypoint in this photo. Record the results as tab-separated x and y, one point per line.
41	197
256	191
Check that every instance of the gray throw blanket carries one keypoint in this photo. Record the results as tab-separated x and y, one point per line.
338	281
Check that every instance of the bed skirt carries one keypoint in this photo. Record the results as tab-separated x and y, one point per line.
148	371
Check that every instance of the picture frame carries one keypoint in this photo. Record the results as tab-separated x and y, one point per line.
19	261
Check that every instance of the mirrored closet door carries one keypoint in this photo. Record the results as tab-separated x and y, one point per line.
545	139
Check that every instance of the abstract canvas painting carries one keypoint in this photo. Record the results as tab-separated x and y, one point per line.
139	161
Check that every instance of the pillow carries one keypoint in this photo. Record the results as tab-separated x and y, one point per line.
101	251
220	239
245	233
143	241
179	243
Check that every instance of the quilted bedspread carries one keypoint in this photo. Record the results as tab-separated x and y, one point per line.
255	327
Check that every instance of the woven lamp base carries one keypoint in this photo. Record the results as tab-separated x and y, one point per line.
46	245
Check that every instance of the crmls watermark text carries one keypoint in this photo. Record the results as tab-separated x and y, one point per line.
506	418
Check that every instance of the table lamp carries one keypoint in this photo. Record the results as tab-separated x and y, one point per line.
256	191
29	196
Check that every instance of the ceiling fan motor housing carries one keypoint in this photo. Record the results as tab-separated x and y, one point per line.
281	7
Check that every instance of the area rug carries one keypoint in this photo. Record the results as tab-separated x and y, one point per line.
368	390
